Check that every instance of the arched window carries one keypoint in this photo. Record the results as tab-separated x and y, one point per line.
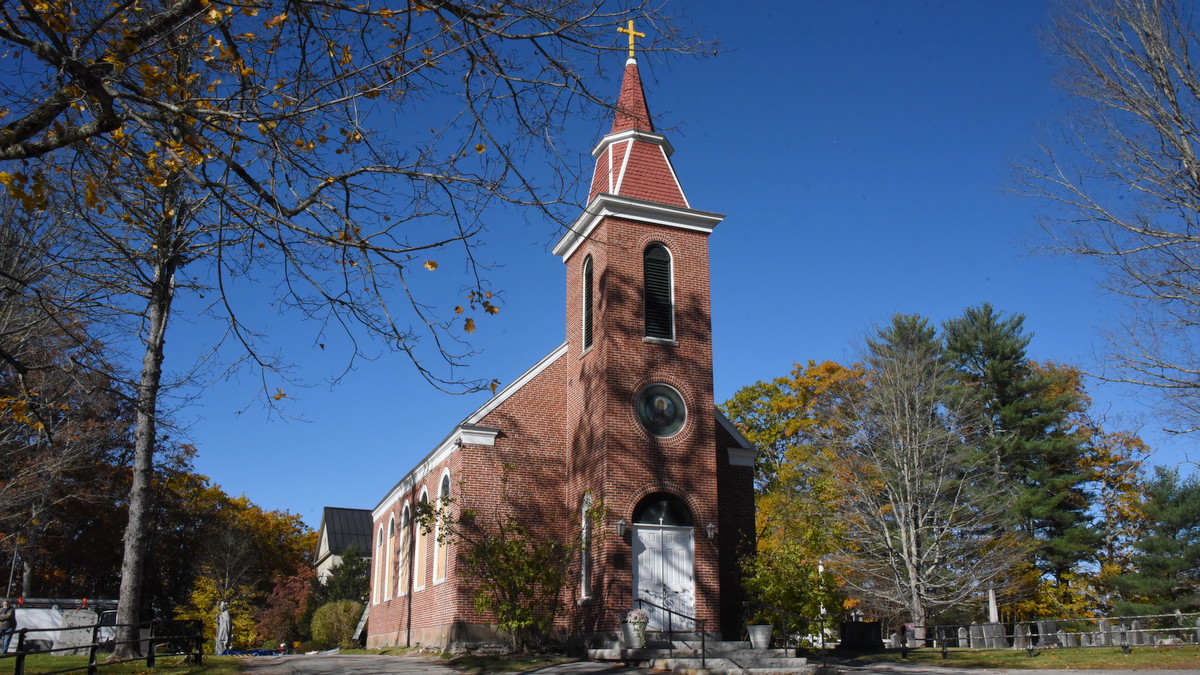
442	545
419	551
585	548
662	508
387	568
403	544
588	299
658	293
377	586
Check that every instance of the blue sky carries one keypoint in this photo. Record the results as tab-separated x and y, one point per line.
862	153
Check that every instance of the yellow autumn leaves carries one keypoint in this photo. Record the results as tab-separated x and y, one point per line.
31	190
477	299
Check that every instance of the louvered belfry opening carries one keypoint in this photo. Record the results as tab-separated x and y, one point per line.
587	303
660	320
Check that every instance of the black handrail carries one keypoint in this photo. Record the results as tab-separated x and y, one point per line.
670	612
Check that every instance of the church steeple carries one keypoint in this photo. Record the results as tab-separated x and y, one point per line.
634	177
633	160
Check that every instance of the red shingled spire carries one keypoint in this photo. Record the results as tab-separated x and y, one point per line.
632	112
633	160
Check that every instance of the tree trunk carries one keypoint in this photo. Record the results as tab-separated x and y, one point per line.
158	311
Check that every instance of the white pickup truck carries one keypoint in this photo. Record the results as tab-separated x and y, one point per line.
62	624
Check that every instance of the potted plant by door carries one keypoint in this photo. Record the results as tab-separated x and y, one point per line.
760	635
760	627
633	626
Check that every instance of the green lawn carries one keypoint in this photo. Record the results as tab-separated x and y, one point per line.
164	665
1093	658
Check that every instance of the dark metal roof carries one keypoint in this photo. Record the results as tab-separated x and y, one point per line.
347	527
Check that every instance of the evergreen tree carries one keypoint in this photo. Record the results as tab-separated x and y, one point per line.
1168	555
1027	429
348	580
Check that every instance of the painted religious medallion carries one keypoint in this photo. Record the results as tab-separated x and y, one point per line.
660	409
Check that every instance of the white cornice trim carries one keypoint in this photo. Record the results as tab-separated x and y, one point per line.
635	135
467	432
472	435
742	456
615	206
745	453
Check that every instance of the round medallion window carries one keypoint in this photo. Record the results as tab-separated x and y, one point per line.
660	409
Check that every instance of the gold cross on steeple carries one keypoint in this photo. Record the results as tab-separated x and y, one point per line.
632	34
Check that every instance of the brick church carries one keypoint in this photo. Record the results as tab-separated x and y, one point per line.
618	419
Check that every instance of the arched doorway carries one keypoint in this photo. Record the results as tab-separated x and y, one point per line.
663	560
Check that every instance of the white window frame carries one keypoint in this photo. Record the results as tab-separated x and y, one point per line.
585	548
441	549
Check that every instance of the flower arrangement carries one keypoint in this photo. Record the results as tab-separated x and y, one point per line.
637	616
634	626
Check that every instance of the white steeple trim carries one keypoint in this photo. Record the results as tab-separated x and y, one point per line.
616	206
635	134
628	148
625	140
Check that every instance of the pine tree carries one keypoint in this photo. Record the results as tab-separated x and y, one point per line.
1168	555
1027	430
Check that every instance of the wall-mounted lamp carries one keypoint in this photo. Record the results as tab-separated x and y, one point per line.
711	529
621	525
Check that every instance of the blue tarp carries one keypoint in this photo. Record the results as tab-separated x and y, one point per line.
250	652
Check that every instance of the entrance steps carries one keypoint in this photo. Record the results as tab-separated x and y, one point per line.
683	657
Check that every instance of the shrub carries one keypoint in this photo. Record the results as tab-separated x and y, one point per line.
333	624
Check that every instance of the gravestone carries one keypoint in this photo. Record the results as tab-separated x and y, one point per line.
976	636
994	633
1021	636
861	635
894	641
1086	640
964	636
1136	637
1047	631
1105	633
1066	639
1197	631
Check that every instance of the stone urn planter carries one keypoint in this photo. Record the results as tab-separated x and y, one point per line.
760	635
633	628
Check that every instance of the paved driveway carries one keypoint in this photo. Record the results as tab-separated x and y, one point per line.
337	664
357	664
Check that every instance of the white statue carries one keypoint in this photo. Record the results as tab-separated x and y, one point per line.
224	629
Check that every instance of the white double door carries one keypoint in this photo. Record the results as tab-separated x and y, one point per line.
663	573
